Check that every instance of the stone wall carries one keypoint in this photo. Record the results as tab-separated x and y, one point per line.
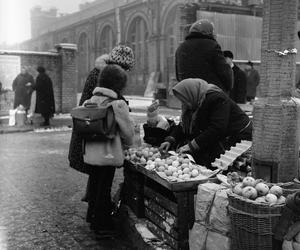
61	68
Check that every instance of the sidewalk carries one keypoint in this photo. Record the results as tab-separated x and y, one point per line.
137	104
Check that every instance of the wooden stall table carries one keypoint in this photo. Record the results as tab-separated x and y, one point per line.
169	206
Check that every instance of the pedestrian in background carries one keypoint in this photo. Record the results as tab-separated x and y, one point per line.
45	104
239	89
22	86
112	82
200	56
253	80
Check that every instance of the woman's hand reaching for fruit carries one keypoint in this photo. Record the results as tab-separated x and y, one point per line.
184	149
164	147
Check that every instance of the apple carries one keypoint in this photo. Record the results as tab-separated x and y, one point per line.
249	192
180	176
180	159
238	189
195	173
168	172
186	171
139	153
281	200
169	161
179	172
175	174
173	158
186	161
149	162
276	190
175	164
261	199
161	169
186	176
258	181
249	181
184	165
143	160
262	189
271	199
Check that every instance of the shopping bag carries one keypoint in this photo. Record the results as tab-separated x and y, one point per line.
12	117
31	110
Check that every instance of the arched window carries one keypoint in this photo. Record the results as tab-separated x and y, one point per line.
83	60
106	41
137	38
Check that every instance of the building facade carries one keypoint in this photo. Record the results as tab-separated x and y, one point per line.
152	28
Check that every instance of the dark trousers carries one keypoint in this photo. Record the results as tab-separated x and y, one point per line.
99	197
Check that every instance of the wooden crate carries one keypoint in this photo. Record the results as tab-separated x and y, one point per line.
133	191
169	207
171	213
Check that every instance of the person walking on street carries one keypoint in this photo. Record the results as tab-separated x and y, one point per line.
22	86
253	80
239	89
200	56
45	104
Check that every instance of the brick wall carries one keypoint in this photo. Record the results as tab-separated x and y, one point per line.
62	69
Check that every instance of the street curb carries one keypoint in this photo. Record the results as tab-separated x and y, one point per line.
16	130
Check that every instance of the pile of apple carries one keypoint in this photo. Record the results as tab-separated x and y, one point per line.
142	154
259	191
173	168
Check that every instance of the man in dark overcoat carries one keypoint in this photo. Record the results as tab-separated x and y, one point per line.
45	104
22	86
239	89
200	56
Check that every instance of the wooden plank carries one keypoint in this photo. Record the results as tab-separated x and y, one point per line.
163	235
167	216
160	199
173	186
183	220
159	221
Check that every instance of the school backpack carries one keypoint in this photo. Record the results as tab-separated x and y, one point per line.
92	122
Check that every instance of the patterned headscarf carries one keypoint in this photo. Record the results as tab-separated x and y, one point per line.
192	93
123	56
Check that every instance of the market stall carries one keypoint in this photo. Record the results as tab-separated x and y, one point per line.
162	188
156	192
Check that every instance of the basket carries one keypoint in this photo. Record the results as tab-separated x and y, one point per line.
252	223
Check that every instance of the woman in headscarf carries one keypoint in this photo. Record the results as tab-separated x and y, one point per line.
211	121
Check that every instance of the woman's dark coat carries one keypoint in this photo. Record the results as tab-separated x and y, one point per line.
200	56
219	123
22	92
45	103
75	150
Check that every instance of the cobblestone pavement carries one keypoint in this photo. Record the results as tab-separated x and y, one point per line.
40	205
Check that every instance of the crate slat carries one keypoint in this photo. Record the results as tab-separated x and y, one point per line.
160	199
166	215
157	220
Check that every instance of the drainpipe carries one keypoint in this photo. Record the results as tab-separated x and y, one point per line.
118	22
